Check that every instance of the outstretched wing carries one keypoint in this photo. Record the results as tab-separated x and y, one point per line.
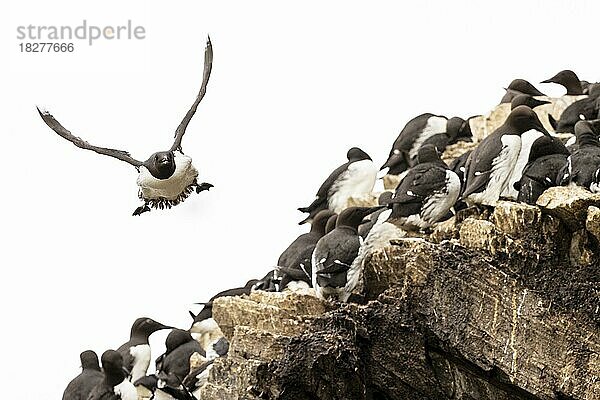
77	141
208	58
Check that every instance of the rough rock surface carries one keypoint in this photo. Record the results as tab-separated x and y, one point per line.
490	305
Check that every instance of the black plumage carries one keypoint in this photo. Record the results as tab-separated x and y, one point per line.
83	384
174	365
426	194
317	230
569	80
335	252
584	109
206	311
517	87
583	167
115	385
547	159
526	100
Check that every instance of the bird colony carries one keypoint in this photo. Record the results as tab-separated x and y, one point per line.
437	167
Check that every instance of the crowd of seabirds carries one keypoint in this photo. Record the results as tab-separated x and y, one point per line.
518	161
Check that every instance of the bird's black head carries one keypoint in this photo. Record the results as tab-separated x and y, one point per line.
523	119
353	216
176	338
569	80
526	100
458	128
112	365
521	85
331	222
356	154
143	327
320	221
89	360
545	146
161	164
427	153
385	198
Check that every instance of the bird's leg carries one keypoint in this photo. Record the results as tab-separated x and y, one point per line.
203	186
141	209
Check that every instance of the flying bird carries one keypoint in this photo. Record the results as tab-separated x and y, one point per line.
166	178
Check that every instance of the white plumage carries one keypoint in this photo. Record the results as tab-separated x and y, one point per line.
358	179
435	125
527	139
152	188
141	361
126	390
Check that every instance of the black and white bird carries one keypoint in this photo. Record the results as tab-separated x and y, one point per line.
547	158
371	220
167	177
83	384
581	110
526	100
115	385
423	129
569	80
136	351
583	165
175	364
490	165
458	165
354	178
593	124
317	230
517	87
335	252
426	194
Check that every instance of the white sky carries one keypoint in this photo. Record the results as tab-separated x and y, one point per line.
294	85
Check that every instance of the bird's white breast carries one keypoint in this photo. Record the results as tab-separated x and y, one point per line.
126	390
527	139
438	204
502	167
185	175
141	360
435	125
357	180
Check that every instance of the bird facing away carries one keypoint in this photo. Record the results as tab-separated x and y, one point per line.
335	252
547	158
136	351
583	165
354	178
166	178
569	80
115	385
426	193
83	384
174	365
491	164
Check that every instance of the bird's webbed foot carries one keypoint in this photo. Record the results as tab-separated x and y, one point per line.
203	186
141	209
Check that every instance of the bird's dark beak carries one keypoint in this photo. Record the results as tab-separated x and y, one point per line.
393	160
548	81
371	210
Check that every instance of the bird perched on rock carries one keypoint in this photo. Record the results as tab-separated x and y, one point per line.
427	192
167	177
424	129
115	385
526	100
83	384
174	365
491	164
548	156
583	165
383	200
584	109
593	124
317	230
354	178
136	351
569	80
517	87
335	252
